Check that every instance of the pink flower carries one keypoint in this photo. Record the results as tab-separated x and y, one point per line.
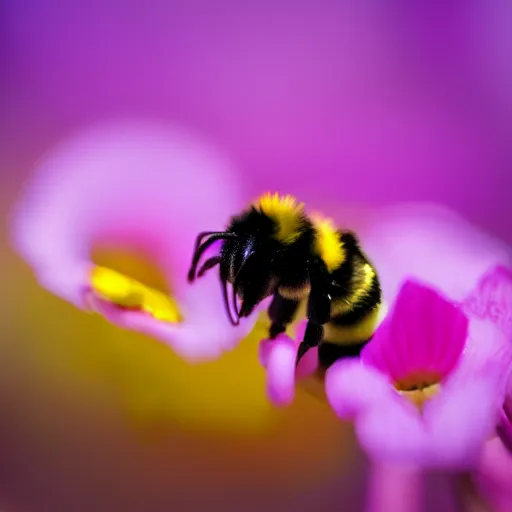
413	239
505	424
406	239
493	478
423	392
491	301
132	189
278	358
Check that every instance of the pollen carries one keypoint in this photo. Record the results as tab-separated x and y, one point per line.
130	294
419	388
328	243
286	212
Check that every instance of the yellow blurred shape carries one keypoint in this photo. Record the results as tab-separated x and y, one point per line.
143	379
217	413
127	292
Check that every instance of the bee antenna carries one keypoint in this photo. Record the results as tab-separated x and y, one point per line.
200	248
236	284
234	296
202	235
208	264
234	321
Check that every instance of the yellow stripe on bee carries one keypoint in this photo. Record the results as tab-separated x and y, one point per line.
361	283
286	212
346	335
328	244
298	293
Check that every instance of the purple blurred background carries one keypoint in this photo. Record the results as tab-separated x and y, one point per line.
380	101
358	102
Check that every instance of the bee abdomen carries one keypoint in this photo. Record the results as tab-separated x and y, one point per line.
354	323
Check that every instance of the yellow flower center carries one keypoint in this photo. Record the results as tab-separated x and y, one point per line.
418	388
148	294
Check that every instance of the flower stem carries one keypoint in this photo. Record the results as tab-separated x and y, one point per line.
394	488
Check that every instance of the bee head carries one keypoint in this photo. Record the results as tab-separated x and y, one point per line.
247	265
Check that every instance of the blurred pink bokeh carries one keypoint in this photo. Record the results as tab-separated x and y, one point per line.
339	102
356	101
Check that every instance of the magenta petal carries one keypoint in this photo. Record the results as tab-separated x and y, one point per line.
426	333
133	185
454	424
375	353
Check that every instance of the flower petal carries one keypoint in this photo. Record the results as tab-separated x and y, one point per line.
412	239
392	432
376	353
464	415
492	298
388	427
494	475
136	186
433	331
353	387
203	336
280	369
487	355
460	419
278	357
394	488
504	430
425	334
505	424
450	432
490	309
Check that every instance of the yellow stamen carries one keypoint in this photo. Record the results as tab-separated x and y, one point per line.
419	388
419	396
126	292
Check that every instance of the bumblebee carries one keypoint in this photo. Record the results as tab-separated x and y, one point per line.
275	248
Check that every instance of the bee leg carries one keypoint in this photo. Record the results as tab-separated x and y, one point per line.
312	337
319	311
281	312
